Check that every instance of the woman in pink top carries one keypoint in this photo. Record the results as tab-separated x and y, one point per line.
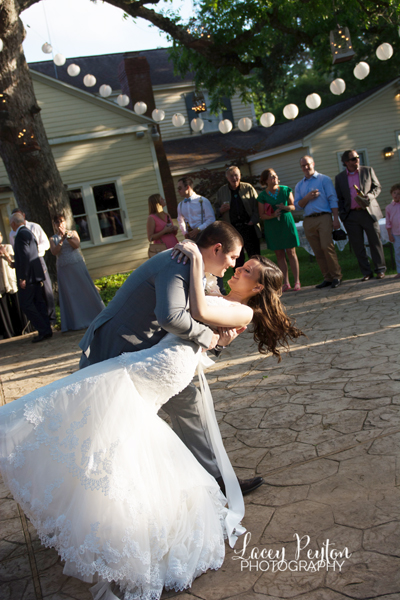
160	227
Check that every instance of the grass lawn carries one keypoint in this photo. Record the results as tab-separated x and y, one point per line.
309	270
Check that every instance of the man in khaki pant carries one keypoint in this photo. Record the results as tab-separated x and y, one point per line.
316	195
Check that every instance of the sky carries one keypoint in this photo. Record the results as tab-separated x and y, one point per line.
84	28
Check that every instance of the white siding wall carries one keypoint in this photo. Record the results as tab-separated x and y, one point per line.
173	101
66	114
372	126
240	110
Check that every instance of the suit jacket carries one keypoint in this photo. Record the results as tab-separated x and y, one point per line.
369	185
154	300
27	262
248	196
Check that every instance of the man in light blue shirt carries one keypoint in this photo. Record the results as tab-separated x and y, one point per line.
316	195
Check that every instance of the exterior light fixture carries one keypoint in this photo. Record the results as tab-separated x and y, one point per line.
199	103
155	136
388	152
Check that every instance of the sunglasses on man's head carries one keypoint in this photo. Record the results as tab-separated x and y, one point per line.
354	158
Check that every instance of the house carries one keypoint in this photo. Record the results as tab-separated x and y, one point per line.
107	158
368	123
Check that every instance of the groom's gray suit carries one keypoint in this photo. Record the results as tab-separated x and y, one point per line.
154	300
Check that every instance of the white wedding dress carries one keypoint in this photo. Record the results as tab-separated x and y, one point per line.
109	485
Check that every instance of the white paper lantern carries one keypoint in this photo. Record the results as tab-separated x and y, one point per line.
47	48
123	100
140	108
225	126
105	90
245	124
1	45
73	70
313	101
290	111
267	119
89	80
59	60
197	124
361	71
384	51
178	120
337	86
158	115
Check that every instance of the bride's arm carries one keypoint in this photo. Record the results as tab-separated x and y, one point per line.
235	315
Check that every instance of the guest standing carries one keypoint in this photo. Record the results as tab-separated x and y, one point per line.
276	204
43	245
236	203
160	227
393	224
316	195
12	319
30	277
361	219
195	212
80	302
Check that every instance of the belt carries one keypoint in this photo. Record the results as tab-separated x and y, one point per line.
357	209
317	214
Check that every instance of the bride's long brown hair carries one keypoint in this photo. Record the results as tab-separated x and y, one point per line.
271	325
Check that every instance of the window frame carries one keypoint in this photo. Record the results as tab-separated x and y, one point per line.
360	151
86	188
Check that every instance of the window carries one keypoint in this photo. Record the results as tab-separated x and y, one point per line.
361	153
99	212
210	121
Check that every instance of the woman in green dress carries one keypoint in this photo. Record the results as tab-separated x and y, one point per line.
275	207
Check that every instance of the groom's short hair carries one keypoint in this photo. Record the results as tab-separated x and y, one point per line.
220	232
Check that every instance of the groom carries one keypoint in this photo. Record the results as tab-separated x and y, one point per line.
154	300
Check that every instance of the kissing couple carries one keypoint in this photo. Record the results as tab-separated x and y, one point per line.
125	500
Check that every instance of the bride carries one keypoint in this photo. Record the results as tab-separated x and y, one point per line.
106	482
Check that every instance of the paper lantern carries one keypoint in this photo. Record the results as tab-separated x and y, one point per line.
267	119
158	115
337	86
1	45
123	100
89	80
361	71
225	126
47	48
384	51
245	124
197	124
73	70
313	101
140	108
59	60
290	111
178	120
105	90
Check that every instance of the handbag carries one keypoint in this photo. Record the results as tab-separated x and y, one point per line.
156	249
339	235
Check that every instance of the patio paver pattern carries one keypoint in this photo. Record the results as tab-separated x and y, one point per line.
323	429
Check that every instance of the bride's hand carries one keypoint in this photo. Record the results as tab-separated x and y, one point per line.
185	250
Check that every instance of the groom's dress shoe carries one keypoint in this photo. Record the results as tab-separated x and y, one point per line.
246	485
40	338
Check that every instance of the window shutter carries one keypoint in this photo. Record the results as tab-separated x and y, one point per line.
227	113
190	112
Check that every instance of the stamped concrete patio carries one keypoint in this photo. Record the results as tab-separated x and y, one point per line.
323	429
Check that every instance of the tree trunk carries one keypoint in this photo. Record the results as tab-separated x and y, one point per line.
24	148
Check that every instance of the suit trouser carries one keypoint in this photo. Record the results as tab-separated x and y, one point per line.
48	292
250	240
33	305
355	224
189	424
318	231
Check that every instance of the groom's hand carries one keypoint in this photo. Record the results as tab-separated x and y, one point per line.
214	341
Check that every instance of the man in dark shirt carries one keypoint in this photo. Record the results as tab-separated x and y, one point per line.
236	203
